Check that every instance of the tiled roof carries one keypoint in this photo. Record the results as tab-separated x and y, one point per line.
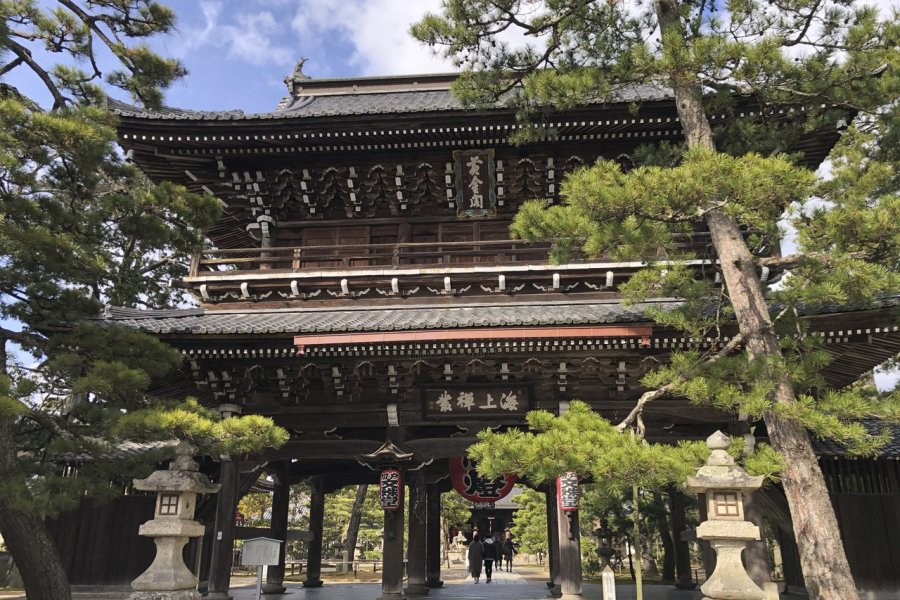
409	317
397	318
369	103
891	449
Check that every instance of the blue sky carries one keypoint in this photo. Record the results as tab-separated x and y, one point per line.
238	51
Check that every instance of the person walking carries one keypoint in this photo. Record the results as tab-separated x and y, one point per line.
508	550
476	557
491	552
498	540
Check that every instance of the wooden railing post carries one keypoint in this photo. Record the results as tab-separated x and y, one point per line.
395	258
195	264
295	262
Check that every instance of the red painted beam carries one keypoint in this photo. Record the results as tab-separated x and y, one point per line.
487	333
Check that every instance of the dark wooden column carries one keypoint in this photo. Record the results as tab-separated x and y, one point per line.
281	497
790	563
552	539
756	556
316	521
416	555
222	555
392	556
707	553
434	545
683	577
569	578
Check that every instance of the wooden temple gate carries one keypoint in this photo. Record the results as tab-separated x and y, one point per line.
364	293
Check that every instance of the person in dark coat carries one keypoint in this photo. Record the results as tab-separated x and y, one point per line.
491	552
508	551
476	557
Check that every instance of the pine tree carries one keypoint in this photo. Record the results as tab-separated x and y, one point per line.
530	529
80	228
821	63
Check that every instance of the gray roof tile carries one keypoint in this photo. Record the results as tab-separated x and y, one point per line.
292	321
370	103
824	447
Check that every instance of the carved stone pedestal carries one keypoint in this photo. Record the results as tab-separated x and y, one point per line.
168	573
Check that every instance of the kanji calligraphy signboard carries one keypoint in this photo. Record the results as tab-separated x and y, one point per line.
465	403
473	486
390	489
475	185
568	492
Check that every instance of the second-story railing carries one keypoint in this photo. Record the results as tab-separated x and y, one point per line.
369	256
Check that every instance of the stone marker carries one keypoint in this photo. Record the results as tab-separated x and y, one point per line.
168	578
609	583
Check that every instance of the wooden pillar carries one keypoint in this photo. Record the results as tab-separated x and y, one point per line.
790	563
707	554
316	521
206	554
416	555
281	497
569	578
392	555
756	555
433	543
553	540
222	554
684	579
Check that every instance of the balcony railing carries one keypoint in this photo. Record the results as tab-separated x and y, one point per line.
369	256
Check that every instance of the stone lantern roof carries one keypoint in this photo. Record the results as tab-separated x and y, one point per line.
720	472
182	475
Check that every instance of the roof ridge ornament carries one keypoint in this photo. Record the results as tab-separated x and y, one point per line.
297	76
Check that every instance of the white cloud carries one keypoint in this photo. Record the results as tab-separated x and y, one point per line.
248	36
377	32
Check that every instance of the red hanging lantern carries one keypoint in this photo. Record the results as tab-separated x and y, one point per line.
474	487
568	492
390	488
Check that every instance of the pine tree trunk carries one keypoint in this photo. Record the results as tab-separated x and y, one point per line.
638	551
665	535
27	537
355	518
822	554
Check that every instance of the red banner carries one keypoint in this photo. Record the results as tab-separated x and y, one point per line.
475	487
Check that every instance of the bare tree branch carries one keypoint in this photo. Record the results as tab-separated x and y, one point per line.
649	396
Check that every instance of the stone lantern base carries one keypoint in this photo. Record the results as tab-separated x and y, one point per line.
179	595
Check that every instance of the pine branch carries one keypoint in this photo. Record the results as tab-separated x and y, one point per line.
809	21
59	101
649	396
796	259
10	66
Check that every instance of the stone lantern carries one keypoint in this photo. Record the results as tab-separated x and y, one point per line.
168	578
605	549
725	485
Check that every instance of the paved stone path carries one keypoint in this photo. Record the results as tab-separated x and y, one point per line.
505	586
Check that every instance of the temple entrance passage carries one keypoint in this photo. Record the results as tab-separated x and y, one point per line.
505	586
